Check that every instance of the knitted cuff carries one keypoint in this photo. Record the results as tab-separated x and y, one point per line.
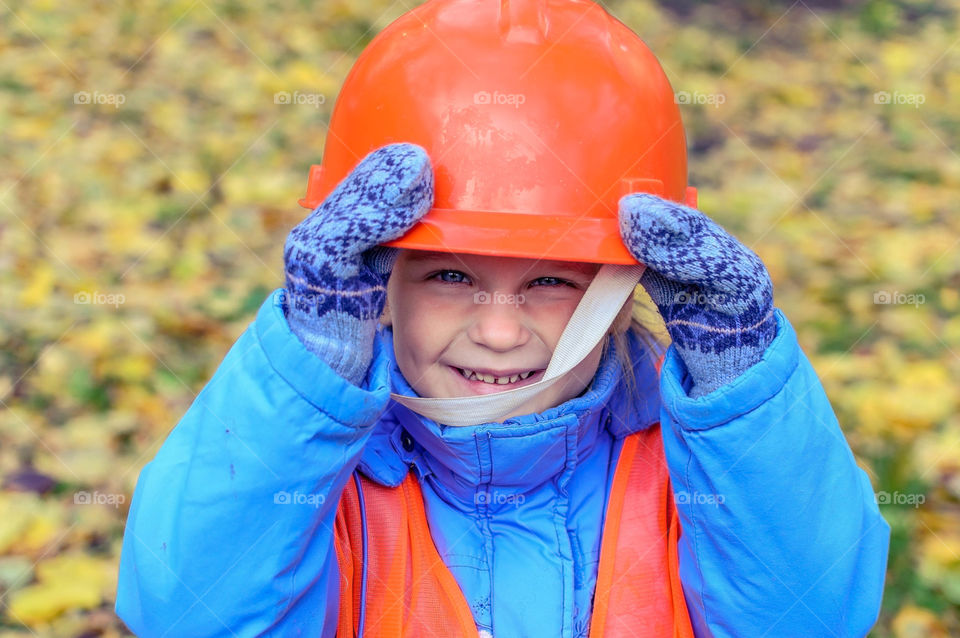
711	369
342	341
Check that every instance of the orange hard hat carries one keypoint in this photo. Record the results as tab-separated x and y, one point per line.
537	115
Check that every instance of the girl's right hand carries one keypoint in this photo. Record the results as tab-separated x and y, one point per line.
336	272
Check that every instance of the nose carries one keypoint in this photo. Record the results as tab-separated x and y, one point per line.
498	326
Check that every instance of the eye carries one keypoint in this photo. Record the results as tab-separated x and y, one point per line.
450	277
552	282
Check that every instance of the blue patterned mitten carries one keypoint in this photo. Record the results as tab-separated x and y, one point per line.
336	273
714	293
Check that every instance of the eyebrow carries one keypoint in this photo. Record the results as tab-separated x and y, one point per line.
581	268
422	255
566	267
575	266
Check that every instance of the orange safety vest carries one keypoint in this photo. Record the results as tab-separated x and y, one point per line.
410	593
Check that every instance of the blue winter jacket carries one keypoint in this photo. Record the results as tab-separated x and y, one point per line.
230	531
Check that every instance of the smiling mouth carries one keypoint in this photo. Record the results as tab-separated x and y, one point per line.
473	375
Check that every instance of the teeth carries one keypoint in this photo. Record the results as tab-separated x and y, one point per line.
471	375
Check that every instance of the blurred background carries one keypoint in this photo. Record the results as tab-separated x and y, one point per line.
149	172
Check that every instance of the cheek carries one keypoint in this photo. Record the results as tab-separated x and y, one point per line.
410	352
421	330
550	318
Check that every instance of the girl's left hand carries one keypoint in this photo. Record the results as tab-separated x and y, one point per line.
714	293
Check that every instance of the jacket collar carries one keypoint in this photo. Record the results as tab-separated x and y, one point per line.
523	451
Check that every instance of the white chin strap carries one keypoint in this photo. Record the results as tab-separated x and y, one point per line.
589	324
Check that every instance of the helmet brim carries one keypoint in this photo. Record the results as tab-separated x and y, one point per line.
525	235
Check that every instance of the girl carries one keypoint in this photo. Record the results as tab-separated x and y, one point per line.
714	496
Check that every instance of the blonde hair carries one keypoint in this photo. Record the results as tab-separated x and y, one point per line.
646	325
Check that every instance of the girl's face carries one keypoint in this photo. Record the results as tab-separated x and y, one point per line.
470	324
